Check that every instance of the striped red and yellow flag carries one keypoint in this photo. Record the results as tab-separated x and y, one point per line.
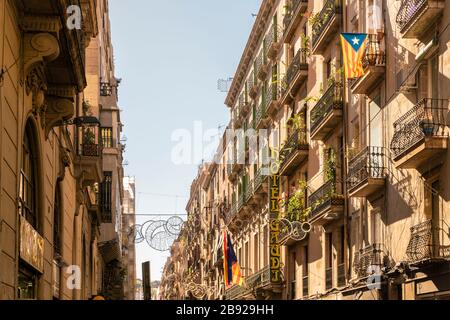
232	271
353	48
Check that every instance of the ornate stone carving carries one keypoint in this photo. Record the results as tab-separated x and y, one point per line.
39	47
33	23
56	111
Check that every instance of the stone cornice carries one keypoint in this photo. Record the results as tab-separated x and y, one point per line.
250	51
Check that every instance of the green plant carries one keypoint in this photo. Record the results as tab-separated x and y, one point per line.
89	137
330	165
296	208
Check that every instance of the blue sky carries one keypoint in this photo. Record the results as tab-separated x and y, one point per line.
170	55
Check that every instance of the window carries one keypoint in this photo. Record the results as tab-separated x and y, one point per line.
293	276
106	197
107	137
28	195
329	261
256	253
27	184
305	272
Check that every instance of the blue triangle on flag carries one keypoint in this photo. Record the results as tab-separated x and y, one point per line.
355	39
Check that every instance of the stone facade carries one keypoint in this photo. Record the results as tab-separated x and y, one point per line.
51	149
365	211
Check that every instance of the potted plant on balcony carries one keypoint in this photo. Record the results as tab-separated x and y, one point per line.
426	122
89	137
296	209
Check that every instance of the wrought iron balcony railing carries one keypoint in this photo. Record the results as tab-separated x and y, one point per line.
271	96
373	55
272	41
106	89
368	260
292	7
241	200
90	150
426	119
259	179
249	192
324	197
425	244
260	113
298	64
409	10
260	61
370	163
321	22
331	99
259	279
296	141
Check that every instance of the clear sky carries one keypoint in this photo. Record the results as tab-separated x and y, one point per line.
170	54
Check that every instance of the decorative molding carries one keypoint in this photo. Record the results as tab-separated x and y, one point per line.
39	47
31	23
56	111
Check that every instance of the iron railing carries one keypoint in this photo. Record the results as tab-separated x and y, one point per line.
106	89
330	100
368	260
424	243
297	141
329	278
426	119
251	80
259	179
373	54
249	192
272	37
329	10
260	61
272	94
259	279
90	150
234	292
291	10
260	113
324	197
370	163
408	11
298	64
241	200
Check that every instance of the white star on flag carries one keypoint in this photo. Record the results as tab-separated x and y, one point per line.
355	40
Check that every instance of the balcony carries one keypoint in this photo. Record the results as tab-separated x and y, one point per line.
327	113
261	66
421	134
261	119
271	99
424	244
373	62
252	85
244	105
295	9
237	118
230	214
261	183
415	17
88	161
325	26
366	172
341	275
235	293
106	89
249	193
368	260
326	204
241	201
294	152
296	74
272	42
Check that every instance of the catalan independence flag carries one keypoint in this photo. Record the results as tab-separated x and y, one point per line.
232	271
353	47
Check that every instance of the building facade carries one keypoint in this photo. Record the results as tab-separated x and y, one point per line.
52	154
128	223
363	208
